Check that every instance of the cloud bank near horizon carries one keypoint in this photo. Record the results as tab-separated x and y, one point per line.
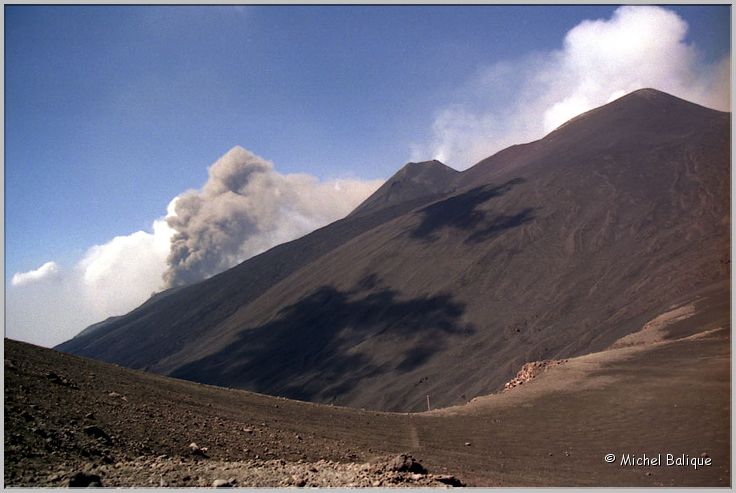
47	270
110	279
244	208
522	100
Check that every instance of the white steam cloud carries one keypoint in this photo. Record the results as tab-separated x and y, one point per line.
46	271
121	274
601	60
244	208
50	305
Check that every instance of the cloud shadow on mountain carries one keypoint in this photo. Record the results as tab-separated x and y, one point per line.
462	212
312	350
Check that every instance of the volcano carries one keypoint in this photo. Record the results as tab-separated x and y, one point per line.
443	284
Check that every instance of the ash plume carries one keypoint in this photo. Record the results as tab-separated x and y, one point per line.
246	207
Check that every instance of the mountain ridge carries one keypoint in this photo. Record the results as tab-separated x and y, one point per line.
545	250
412	181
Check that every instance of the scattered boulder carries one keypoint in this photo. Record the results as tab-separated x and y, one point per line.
448	480
84	480
530	370
40	432
97	432
406	463
55	378
221	483
195	449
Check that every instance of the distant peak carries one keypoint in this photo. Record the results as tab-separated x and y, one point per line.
649	94
412	181
638	102
425	166
419	163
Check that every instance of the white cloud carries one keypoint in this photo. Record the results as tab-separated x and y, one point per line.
110	279
522	100
46	271
121	274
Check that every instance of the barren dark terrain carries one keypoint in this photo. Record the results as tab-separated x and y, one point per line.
662	393
446	283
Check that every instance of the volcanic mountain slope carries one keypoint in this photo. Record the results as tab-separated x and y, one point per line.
413	181
546	250
73	420
184	316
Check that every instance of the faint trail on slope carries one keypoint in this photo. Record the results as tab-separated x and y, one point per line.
413	436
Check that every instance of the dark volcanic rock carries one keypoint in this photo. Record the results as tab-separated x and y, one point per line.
406	463
97	432
83	480
449	480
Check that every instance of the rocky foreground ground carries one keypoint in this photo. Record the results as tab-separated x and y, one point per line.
165	471
75	422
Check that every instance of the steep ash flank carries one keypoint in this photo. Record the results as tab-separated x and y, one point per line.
183	317
322	341
545	251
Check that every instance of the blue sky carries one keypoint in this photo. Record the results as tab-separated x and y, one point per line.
110	112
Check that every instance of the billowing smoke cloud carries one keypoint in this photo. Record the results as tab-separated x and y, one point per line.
47	270
244	208
522	100
247	207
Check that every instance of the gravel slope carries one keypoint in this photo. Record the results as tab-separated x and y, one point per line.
67	416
